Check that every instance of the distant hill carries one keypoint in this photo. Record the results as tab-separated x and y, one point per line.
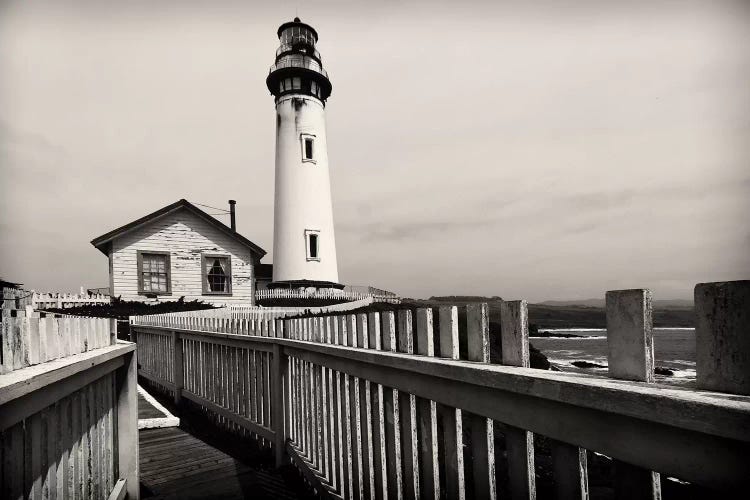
678	303
572	314
462	298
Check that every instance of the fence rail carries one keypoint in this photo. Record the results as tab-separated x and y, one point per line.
414	404
68	409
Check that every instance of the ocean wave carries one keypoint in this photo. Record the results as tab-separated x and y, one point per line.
553	330
582	337
687	373
684	362
659	328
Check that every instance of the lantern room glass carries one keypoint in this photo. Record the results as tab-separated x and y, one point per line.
297	34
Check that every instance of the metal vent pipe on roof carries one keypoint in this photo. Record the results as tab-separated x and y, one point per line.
232	218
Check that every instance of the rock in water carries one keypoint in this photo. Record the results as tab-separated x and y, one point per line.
587	364
538	359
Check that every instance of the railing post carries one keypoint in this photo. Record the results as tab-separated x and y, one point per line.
722	336
178	374
279	382
481	429
127	425
112	331
453	434
629	336
631	357
519	443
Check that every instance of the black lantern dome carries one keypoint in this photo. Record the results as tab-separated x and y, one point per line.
298	68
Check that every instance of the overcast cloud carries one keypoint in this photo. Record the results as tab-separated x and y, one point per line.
545	152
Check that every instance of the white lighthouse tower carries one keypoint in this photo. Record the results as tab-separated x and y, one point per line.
304	245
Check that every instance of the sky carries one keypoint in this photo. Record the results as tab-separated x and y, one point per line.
546	151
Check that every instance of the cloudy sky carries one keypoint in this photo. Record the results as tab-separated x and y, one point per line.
545	152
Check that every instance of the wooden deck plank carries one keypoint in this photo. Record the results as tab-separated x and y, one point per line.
175	464
147	410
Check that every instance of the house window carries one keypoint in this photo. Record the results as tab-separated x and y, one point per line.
154	273
217	274
308	147
312	240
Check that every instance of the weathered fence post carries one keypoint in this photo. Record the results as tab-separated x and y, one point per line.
453	443
278	379
112	331
629	336
427	413
631	357
519	443
722	336
481	429
178	373
408	414
127	425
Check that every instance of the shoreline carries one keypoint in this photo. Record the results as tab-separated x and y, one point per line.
546	333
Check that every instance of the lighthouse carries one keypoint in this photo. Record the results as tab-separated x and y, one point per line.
304	244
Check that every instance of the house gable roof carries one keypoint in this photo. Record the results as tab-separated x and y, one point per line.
103	242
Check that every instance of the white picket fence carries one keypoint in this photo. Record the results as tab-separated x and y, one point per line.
66	300
206	319
326	293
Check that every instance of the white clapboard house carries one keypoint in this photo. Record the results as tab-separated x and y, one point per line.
180	251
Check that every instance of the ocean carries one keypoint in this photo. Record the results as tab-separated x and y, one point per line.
674	348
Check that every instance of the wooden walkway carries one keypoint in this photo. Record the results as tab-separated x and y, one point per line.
175	464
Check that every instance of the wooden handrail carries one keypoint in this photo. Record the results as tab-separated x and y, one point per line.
703	411
74	419
356	399
593	410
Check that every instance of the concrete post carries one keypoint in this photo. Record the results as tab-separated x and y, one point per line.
629	336
722	336
631	357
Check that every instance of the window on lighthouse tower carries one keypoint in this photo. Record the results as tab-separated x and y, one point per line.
312	238
308	148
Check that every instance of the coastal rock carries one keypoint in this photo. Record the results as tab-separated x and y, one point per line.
538	359
587	364
660	370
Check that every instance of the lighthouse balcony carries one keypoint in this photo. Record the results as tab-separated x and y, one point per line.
298	61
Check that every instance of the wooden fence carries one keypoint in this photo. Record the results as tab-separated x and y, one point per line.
400	405
368	290
14	299
241	311
68	409
325	293
222	319
65	300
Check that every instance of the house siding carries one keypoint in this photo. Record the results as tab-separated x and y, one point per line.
186	237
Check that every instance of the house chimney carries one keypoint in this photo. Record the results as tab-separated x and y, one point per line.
233	222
